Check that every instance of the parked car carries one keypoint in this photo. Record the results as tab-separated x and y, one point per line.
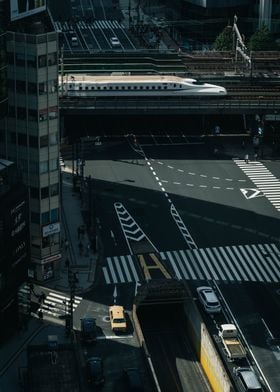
95	371
248	379
117	318
132	380
115	41
208	299
88	329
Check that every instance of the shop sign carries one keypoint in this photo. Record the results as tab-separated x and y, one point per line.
53	228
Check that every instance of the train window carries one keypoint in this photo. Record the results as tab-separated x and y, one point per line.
180	86
128	87
70	85
174	85
147	87
110	88
141	87
86	87
123	87
117	87
153	87
159	87
104	88
92	87
80	87
135	87
165	87
98	88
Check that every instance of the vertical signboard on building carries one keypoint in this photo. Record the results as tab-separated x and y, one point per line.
22	8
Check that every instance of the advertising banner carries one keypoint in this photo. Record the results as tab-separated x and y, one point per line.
22	8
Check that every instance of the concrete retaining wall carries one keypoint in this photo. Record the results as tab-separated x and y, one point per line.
206	351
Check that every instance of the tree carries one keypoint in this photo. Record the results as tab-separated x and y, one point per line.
224	40
262	39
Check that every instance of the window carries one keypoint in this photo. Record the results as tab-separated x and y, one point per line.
92	87
52	59
53	164
31	60
45	217
123	87
44	167
54	215
44	141
52	86
35	217
42	61
43	115
147	87
33	141
34	193
32	88
54	190
45	192
153	87
32	115
20	60
42	88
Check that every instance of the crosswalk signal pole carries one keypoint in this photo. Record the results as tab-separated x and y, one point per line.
72	280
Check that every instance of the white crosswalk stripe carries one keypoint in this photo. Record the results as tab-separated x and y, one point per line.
238	263
263	179
120	269
56	306
254	263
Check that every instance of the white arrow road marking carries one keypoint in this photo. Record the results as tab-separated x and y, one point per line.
251	193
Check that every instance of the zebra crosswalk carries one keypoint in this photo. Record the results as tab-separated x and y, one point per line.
97	24
263	179
239	263
56	307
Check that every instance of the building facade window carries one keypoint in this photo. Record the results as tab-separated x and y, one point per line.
54	215
45	217
44	141
45	192
35	217
44	167
34	193
54	189
33	141
53	164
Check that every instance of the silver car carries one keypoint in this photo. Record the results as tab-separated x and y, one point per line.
208	299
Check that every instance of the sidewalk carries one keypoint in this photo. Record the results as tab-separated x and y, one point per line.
83	262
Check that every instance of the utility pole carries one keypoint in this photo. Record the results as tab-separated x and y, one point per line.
240	47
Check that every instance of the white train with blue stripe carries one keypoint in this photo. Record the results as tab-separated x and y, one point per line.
85	86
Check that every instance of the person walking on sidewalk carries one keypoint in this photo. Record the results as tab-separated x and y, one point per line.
246	159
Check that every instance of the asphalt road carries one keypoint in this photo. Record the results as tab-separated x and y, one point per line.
224	213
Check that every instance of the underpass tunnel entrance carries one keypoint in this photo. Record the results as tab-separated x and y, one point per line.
161	325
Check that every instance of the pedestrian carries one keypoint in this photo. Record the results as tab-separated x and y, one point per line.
246	158
255	156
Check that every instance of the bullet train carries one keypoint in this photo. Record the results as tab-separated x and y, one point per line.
85	86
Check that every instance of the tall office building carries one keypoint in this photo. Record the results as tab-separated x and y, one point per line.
31	134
